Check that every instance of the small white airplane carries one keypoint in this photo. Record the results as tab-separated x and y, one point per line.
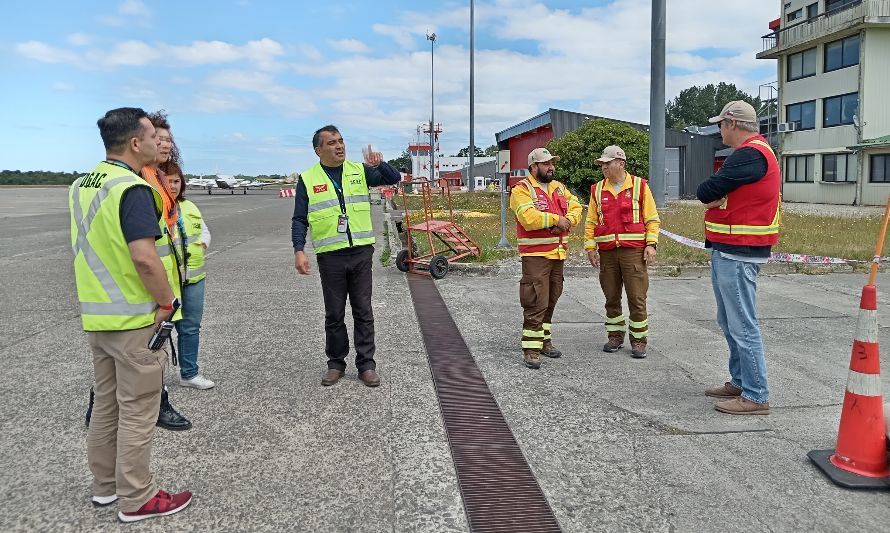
231	183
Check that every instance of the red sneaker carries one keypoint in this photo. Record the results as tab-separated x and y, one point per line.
162	504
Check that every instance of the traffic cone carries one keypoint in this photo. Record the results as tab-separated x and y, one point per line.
860	459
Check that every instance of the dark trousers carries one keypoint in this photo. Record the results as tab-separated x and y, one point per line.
624	268
539	290
342	276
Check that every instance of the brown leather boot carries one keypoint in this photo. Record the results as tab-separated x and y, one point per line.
549	351
531	357
638	349
370	378
331	377
614	343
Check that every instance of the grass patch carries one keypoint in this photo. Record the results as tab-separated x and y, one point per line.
479	215
385	256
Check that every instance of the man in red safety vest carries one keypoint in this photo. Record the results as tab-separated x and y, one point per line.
620	236
545	212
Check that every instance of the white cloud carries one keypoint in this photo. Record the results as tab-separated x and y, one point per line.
62	87
349	45
134	8
401	36
79	39
45	53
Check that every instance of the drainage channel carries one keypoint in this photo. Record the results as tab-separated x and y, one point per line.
499	491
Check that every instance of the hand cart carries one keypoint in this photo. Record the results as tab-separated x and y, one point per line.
457	244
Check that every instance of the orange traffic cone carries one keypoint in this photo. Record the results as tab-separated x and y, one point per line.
860	458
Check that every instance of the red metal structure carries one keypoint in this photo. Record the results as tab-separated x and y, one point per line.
457	244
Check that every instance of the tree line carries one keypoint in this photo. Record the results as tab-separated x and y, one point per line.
47	177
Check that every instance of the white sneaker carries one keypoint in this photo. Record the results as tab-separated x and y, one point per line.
102	501
197	382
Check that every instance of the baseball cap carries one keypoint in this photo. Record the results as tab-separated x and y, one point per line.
541	155
736	110
610	153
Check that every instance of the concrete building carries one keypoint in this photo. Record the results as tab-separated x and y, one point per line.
833	76
689	158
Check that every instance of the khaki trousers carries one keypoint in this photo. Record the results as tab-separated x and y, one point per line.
539	290
624	267
129	378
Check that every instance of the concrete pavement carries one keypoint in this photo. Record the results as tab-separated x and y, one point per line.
617	444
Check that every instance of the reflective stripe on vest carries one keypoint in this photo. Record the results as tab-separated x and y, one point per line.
603	240
108	301
542	240
193	223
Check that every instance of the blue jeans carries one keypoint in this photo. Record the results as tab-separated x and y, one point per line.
735	288
189	329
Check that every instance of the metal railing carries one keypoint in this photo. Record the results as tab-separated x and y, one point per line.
843	17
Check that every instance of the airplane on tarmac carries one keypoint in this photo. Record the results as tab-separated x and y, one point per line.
225	182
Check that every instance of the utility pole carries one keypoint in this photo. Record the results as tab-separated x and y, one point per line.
471	177
432	39
657	170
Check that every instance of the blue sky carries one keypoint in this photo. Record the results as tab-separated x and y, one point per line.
247	82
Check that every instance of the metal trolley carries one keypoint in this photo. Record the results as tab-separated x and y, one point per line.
457	244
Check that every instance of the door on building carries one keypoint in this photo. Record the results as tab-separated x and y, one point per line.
673	164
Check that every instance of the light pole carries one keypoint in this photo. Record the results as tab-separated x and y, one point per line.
432	39
657	170
471	177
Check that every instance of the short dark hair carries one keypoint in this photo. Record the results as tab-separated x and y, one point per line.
316	139
120	125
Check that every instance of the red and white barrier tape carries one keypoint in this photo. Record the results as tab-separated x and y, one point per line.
775	257
285	193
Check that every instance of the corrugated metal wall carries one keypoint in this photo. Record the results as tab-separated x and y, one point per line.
523	144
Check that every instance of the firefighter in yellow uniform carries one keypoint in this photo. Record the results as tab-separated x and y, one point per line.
621	236
545	212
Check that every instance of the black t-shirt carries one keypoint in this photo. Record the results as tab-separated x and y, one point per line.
139	216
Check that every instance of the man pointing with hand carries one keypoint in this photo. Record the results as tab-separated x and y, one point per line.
331	200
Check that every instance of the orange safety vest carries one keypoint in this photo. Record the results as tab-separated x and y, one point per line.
750	215
158	181
541	240
619	220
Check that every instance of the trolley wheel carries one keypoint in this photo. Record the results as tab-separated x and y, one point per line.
402	260
438	266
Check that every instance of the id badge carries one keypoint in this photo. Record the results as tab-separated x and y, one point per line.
342	223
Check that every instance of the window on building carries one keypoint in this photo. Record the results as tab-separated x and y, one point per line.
880	169
839	168
839	110
834	5
812	10
799	168
794	15
803	114
842	54
802	64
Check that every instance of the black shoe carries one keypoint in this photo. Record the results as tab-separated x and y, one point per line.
90	408
169	418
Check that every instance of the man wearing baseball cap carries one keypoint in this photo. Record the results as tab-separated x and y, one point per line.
545	212
741	226
620	236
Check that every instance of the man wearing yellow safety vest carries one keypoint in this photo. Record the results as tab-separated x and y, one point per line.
125	292
741	226
331	199
545	212
621	236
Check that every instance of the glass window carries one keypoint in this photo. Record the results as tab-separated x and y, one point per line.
802	114
842	54
799	168
802	64
812	10
833	5
880	169
839	110
794	15
839	168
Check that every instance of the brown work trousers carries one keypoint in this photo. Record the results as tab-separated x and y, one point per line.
539	290
625	267
129	378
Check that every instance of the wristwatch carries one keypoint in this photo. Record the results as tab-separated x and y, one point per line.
652	244
172	306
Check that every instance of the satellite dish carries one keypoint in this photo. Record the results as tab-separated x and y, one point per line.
856	120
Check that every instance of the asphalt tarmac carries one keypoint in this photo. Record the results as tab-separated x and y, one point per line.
617	444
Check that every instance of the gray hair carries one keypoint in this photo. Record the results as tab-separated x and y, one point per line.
748	126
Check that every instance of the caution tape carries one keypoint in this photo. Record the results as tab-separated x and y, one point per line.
775	257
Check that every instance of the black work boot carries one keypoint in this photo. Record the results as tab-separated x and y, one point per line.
168	417
90	407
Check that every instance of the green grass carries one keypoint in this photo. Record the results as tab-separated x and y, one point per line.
845	237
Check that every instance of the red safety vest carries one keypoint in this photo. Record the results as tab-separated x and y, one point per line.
750	215
541	240
619	221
